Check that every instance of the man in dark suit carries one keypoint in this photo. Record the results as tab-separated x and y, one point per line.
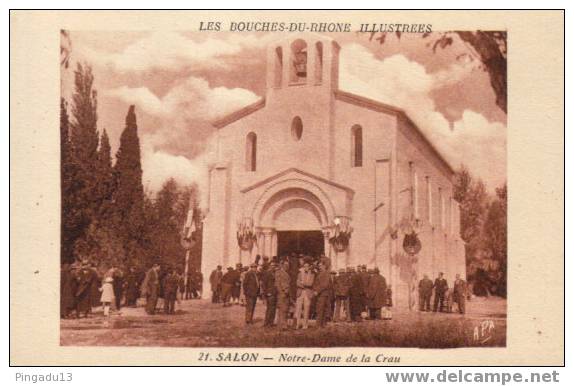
440	288
356	293
459	294
283	286
170	287
151	288
376	293
425	293
364	276
322	288
251	291
215	281
227	284
269	293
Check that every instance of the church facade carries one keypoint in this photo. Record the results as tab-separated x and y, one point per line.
316	170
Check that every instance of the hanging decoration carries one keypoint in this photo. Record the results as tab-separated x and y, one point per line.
342	231
411	243
245	234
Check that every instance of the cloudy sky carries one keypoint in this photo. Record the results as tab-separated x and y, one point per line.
180	81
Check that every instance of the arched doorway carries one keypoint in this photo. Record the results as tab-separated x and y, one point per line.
294	220
297	225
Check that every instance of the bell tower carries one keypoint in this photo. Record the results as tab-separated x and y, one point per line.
303	60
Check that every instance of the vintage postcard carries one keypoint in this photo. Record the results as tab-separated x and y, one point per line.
287	188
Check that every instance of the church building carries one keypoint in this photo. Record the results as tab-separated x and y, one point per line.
312	169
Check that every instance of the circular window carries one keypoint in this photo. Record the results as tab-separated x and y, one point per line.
297	128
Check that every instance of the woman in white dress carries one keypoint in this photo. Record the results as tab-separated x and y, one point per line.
107	293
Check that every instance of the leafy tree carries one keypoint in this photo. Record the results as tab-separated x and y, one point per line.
495	237
487	47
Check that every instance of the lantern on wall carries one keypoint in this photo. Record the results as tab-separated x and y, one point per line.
245	234
342	231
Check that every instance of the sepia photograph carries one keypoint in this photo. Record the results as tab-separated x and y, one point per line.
283	190
286	188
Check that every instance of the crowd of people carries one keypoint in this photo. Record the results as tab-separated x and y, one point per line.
293	289
84	287
297	288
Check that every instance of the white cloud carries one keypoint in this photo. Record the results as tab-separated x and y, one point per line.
159	166
472	140
172	51
192	99
184	113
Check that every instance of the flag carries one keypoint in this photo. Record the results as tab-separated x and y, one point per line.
189	226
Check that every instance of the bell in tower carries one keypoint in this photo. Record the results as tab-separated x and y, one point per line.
306	59
299	55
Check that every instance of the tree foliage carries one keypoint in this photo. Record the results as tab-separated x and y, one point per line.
487	48
129	193
106	216
483	229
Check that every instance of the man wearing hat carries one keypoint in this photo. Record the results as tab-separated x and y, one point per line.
376	292
459	294
305	281
425	293
440	288
84	280
269	293
251	291
236	288
322	290
150	288
342	285
356	293
364	275
283	285
215	281
227	283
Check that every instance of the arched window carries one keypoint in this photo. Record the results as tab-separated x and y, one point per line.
278	67
357	146
296	128
251	152
318	63
298	61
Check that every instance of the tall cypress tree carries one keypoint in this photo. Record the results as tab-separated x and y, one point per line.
66	175
82	203
105	179
129	192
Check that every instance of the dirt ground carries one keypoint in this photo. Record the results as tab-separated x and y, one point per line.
199	323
